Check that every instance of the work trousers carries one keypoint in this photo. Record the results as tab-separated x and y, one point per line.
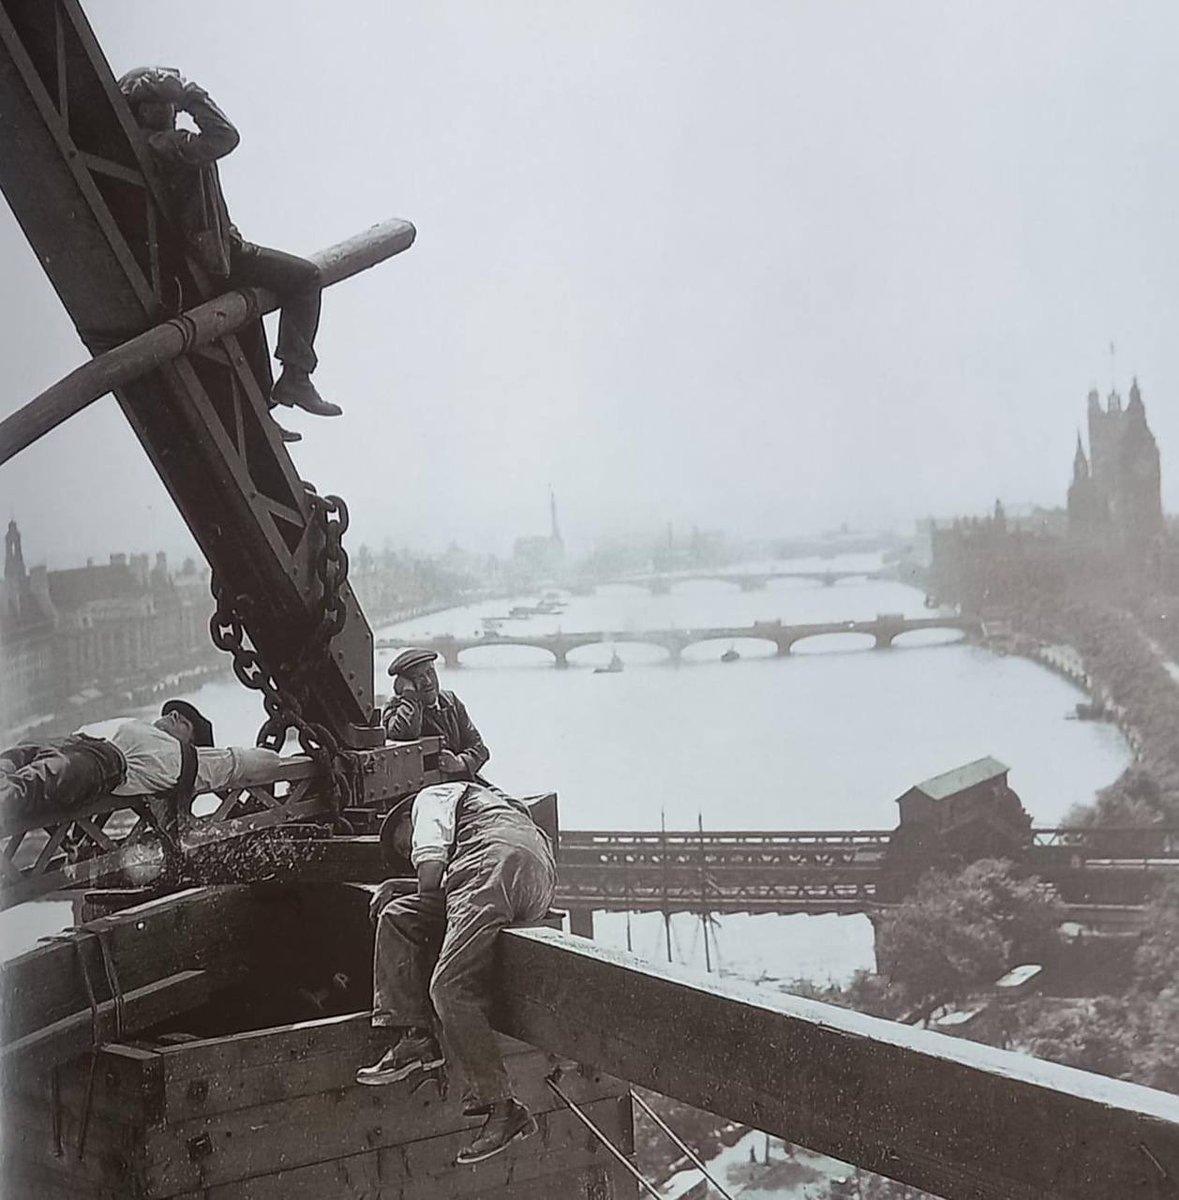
61	774
438	949
295	281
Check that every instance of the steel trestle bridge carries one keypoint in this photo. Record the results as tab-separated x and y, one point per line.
821	871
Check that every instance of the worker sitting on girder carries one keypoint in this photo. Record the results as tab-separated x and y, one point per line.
420	708
481	864
171	757
187	164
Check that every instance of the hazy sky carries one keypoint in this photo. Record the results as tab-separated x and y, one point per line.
764	266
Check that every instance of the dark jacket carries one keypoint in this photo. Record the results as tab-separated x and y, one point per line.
406	718
188	168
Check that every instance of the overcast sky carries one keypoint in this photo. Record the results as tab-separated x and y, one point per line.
766	266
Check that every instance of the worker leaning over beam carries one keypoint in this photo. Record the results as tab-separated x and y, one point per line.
172	756
482	864
420	708
187	163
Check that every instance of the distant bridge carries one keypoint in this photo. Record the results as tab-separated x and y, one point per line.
882	629
660	583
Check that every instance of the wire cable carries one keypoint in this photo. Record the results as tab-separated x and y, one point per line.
639	1176
679	1142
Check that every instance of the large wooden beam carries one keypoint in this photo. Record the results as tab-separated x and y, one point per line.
192	930
109	1020
964	1121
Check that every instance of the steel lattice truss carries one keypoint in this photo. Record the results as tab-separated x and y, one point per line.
139	838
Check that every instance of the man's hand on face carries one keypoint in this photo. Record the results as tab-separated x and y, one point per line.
169	89
450	763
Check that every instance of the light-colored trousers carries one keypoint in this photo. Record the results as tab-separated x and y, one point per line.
437	950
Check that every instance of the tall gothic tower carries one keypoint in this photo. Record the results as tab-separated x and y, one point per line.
1116	493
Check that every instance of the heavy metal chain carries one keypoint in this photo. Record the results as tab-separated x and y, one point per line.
284	705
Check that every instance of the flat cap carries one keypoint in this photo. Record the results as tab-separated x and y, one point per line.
411	658
202	727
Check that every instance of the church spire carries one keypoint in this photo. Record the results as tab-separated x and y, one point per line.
1136	406
14	559
554	528
1080	462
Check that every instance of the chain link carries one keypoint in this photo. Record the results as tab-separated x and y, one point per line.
284	704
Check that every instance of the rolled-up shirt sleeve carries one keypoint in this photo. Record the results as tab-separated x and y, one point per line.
224	767
434	815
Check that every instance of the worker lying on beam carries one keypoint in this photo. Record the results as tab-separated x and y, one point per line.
187	164
172	758
481	865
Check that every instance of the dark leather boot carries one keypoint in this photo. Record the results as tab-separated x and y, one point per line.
287	435
295	389
506	1121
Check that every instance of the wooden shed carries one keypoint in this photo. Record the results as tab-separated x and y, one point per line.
954	818
956	796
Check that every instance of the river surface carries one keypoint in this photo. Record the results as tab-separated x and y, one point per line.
825	738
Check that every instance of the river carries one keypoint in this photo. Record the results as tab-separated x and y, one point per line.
825	738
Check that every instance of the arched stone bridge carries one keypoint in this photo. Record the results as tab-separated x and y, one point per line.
882	629
660	584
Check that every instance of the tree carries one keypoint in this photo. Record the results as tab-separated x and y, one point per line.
1156	961
957	932
1129	1037
1093	1036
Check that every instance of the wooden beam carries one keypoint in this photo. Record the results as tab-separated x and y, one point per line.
62	1040
180	335
964	1121
191	930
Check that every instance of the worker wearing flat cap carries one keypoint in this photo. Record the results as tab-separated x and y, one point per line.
420	708
172	757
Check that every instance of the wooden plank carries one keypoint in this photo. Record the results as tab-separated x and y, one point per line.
264	931
127	1088
111	1157
563	1147
33	1054
964	1121
22	1178
602	1182
199	929
546	1166
192	1093
356	1177
336	1123
217	1075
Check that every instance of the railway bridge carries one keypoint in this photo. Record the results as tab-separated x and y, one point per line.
1103	876
883	630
